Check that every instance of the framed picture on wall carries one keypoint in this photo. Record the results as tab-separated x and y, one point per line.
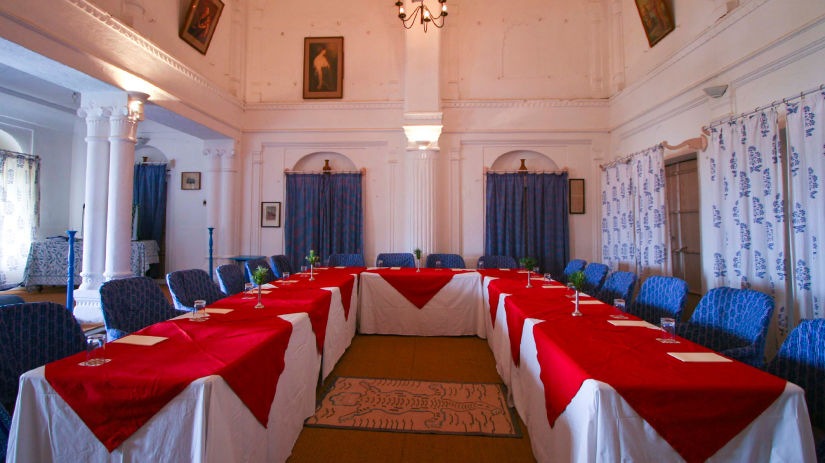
656	19
270	214
201	19
576	192
323	67
190	180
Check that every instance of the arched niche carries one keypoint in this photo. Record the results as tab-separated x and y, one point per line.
315	162
9	143
534	160
151	154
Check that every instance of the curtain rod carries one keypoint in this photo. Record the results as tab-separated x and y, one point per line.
22	155
767	106
491	171
155	163
626	159
362	171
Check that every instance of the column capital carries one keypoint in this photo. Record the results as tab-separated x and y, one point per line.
122	126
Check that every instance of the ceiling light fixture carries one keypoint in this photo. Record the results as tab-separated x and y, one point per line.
423	14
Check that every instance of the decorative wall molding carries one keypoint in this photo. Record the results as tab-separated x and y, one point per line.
660	118
326	106
516	144
325	146
523	103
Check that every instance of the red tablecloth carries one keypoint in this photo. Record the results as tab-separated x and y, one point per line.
515	286
696	407
417	287
245	347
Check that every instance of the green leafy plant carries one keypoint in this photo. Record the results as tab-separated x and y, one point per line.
259	275
577	279
312	258
528	262
417	253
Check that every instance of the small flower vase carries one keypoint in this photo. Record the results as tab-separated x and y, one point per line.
577	313
311	273
418	265
529	277
259	305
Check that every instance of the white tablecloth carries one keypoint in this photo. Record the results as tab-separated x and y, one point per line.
340	329
205	422
456	310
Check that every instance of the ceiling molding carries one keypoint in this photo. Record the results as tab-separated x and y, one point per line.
325	106
526	103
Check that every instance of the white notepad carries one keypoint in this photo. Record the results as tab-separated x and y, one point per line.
140	340
395	268
504	269
457	269
554	287
590	301
218	311
264	292
699	357
268	286
340	266
639	323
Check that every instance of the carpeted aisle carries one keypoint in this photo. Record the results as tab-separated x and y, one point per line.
466	359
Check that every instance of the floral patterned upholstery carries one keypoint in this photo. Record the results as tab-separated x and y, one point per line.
496	262
801	360
253	264
346	260
6	299
594	275
33	334
619	285
131	304
660	297
573	266
230	279
733	322
447	261
280	264
188	286
397	259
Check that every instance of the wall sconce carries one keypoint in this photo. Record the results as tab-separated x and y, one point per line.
136	102
423	136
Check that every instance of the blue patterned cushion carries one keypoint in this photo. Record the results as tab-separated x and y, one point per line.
573	266
447	261
594	277
801	360
346	260
397	259
34	334
619	285
733	322
253	264
131	304
660	297
6	299
496	262
188	286
230	278
280	264
5	427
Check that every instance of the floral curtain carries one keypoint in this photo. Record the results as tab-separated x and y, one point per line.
19	212
806	140
747	213
648	191
618	246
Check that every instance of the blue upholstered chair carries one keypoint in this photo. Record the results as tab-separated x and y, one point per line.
733	322
619	285
346	260
660	297
447	261
5	427
395	259
253	264
33	334
6	299
575	265
230	279
188	286
496	262
131	304
279	264
594	275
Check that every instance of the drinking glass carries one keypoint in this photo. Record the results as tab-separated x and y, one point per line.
286	275
438	264
480	265
247	291
619	304
303	269
548	277
668	325
199	311
380	262
95	350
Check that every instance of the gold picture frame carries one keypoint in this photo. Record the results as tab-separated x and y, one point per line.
323	67
656	19
190	180
575	191
271	214
199	26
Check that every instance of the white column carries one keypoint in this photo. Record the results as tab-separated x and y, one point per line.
122	130
87	296
421	194
229	210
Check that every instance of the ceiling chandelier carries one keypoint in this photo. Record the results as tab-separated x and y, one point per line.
422	13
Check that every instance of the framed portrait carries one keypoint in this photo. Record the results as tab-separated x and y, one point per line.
575	191
656	19
323	67
190	180
271	215
199	25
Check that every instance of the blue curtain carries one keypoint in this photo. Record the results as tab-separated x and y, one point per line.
149	200
548	234
324	213
505	215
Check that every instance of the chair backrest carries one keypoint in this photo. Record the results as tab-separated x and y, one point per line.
496	262
5	427
660	297
594	275
131	304
395	259
575	265
447	261
6	299
230	277
253	264
33	334
619	285
744	313
346	260
801	360
188	286
279	264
